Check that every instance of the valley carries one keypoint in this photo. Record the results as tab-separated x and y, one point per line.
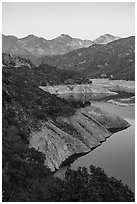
68	101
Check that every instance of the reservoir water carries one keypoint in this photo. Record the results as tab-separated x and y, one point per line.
117	154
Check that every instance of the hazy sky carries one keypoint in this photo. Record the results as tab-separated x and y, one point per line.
83	20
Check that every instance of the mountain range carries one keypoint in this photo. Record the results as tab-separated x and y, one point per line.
115	60
37	46
107	56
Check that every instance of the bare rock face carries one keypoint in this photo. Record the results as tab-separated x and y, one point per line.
110	121
71	137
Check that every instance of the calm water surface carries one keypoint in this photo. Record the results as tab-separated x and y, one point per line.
116	155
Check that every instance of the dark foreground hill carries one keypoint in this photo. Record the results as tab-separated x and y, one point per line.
43	74
115	60
25	108
24	104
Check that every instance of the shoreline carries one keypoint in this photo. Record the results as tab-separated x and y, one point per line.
98	86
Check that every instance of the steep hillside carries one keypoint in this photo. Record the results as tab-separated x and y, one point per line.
43	74
26	104
115	60
31	45
25	108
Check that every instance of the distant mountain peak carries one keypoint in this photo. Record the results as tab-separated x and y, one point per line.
111	36
9	36
64	36
106	38
31	36
107	34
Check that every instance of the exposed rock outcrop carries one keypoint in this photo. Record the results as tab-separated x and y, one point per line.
69	137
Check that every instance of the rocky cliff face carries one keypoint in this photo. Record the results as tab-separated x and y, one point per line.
67	138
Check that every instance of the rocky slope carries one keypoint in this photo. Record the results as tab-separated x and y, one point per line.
74	136
115	60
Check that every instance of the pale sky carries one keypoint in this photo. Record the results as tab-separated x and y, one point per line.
85	20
